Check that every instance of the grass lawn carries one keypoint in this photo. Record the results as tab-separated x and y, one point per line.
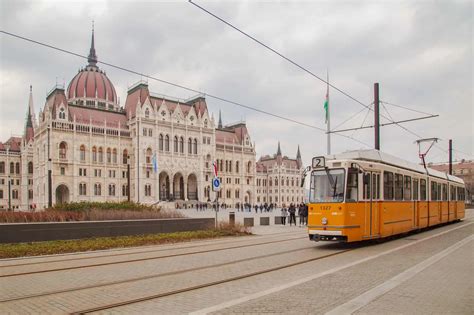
69	246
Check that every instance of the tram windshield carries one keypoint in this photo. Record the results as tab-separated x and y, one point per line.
327	186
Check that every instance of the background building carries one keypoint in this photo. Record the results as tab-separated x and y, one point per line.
464	170
279	179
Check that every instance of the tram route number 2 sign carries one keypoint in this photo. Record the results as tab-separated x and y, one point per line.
216	184
318	162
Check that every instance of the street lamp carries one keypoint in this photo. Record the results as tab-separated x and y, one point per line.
128	178
9	194
7	147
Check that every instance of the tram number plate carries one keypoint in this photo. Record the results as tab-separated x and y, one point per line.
325	207
319	161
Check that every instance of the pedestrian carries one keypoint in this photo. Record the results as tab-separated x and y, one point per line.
261	208
256	208
292	211
284	213
301	213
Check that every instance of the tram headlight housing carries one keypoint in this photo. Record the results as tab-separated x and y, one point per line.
324	221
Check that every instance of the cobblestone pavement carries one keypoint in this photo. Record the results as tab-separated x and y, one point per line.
314	287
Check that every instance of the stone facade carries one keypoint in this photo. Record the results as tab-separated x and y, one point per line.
84	146
279	179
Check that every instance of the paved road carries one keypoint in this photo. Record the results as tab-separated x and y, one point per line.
277	271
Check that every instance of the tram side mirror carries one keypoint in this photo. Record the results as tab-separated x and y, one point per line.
303	177
355	168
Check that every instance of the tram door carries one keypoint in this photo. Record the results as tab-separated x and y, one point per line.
371	197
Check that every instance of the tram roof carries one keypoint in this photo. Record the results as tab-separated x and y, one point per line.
385	158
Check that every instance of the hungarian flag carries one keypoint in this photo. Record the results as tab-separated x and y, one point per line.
326	105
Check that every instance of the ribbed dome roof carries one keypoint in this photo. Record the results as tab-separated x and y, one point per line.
91	82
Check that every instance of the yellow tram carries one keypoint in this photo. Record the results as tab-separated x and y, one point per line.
367	194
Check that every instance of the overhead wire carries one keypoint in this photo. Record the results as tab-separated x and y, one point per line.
351	117
301	67
225	100
363	122
295	64
407	108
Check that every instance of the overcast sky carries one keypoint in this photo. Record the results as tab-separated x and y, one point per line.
421	53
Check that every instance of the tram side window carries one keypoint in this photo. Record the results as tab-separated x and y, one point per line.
415	189
398	187
434	191
439	192
461	195
445	192
453	193
387	185
407	188
366	190
376	186
423	189
352	185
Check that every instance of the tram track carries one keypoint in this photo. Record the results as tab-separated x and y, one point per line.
212	283
146	258
154	276
109	306
143	251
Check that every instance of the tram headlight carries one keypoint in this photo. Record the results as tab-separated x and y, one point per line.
324	221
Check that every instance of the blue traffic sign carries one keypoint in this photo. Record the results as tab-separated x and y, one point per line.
216	183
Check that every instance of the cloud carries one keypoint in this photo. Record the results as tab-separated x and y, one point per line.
420	52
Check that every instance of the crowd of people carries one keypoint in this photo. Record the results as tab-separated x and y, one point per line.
290	213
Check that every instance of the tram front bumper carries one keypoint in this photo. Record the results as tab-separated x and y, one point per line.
325	235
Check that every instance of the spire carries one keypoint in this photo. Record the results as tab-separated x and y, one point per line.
220	120
92	58
30	118
299	162
279	149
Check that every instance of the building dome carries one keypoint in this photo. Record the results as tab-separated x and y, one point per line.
91	86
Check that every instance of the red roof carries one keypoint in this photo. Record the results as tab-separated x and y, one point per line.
91	82
98	117
232	134
140	92
14	142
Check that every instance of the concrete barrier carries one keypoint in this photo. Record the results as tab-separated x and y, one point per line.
278	220
264	221
48	231
248	222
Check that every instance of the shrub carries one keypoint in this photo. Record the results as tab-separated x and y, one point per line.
85	206
84	215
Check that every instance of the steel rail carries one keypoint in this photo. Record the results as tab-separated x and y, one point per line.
152	276
209	284
247	275
273	235
145	259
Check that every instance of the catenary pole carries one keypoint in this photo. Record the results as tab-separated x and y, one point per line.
450	157
377	116
328	125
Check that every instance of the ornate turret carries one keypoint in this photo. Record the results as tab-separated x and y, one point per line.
279	149
91	87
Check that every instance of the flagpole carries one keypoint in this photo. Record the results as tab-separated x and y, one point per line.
328	125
